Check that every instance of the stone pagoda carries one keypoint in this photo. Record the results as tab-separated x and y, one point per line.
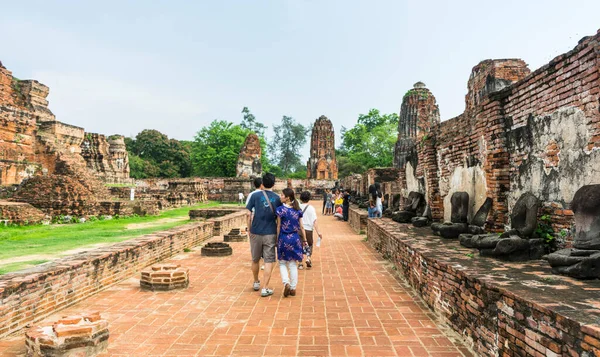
322	164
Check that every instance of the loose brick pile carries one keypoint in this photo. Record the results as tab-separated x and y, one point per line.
79	335
165	277
501	308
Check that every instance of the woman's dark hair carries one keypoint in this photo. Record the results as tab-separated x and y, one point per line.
305	196
289	193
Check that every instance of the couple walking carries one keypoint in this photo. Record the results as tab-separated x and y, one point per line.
279	221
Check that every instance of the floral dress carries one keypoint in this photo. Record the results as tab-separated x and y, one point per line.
289	244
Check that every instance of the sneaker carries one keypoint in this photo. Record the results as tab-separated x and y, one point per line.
286	290
300	267
308	263
262	267
292	292
256	285
266	292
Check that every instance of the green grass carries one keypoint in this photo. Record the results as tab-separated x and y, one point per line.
55	239
120	185
20	265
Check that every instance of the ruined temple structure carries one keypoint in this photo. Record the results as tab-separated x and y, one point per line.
322	165
521	131
33	142
53	166
248	164
108	158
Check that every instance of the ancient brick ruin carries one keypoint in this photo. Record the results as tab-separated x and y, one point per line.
164	277
322	164
80	335
33	142
53	166
521	132
249	164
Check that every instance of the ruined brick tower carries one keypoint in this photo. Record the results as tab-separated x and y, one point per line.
322	164
419	113
249	164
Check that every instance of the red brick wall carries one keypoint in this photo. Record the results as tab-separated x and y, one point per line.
520	132
32	294
499	309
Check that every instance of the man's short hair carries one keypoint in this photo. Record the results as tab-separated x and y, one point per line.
305	196
268	180
257	182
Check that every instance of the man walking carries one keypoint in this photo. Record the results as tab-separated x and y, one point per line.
263	232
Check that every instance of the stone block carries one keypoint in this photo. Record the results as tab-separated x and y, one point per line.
163	277
216	250
79	335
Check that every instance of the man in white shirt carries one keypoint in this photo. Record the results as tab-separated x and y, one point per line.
258	187
309	221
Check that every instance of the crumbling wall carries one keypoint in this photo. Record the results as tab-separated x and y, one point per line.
108	158
17	132
520	132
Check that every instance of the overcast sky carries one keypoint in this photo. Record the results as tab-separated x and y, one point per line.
124	66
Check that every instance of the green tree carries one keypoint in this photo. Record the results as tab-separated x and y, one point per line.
285	148
153	154
370	143
250	123
216	148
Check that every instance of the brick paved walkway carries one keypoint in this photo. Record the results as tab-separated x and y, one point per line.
348	304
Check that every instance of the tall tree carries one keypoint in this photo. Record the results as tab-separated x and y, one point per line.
216	148
285	148
249	122
153	154
370	143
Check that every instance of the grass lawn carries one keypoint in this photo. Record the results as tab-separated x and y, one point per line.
22	247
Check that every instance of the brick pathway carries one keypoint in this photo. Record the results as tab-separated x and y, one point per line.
348	304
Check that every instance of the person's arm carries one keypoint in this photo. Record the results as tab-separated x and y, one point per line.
249	207
278	226
304	241
316	229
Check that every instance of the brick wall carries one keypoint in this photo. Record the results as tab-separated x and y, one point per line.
30	295
499	308
521	132
357	218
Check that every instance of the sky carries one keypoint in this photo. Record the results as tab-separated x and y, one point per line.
175	66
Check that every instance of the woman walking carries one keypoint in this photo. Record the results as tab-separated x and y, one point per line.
289	244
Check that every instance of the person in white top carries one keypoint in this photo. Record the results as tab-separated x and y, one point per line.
258	187
309	221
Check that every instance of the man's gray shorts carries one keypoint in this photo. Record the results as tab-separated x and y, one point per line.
263	246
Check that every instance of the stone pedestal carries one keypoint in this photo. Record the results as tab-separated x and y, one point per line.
78	335
216	250
235	235
164	277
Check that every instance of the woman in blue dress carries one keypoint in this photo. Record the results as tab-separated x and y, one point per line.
289	240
